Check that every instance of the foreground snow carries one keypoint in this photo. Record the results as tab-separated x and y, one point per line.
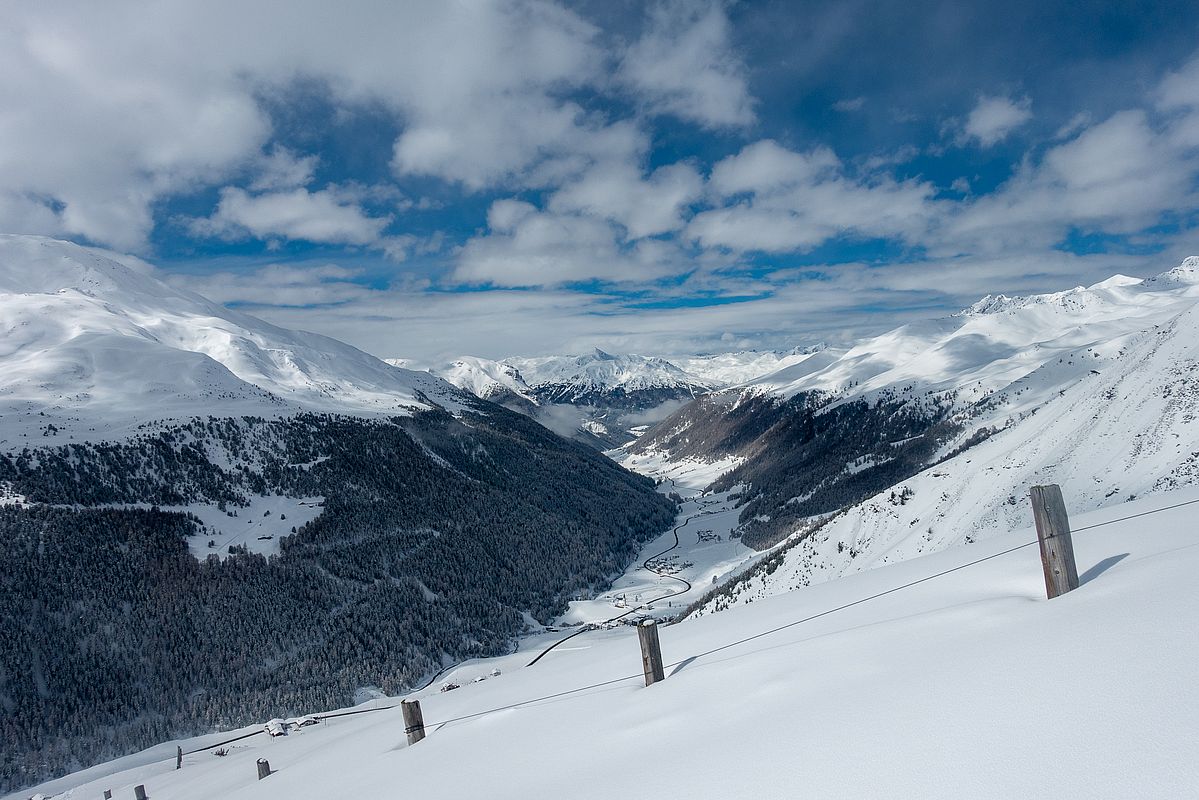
969	685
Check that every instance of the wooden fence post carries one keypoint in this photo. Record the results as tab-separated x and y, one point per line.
108	794
414	721
264	768
1053	532
651	651
178	758
139	792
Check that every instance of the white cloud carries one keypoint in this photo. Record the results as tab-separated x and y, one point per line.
1180	89
684	65
1075	124
534	142
645	207
277	285
102	126
529	247
1178	96
283	169
1118	176
322	216
795	201
104	112
431	327
766	166
994	117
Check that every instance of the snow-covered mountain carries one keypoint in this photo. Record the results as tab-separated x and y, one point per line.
731	369
993	343
1089	387
264	517
599	378
490	380
1109	424
597	397
92	341
605	399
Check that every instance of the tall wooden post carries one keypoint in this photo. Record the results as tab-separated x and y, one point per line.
178	758
264	768
139	792
651	651
1053	532
414	721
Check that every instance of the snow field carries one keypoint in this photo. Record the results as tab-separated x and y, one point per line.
968	685
257	527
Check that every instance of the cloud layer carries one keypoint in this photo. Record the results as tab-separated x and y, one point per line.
619	175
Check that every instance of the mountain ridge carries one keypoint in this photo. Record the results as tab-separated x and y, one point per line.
86	334
842	425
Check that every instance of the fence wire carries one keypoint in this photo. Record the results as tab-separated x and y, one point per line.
723	647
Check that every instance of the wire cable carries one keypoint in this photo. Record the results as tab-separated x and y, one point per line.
727	646
1134	516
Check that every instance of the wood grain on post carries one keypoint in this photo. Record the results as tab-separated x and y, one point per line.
1053	532
651	651
414	720
264	768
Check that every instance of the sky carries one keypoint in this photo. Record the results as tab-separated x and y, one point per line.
432	179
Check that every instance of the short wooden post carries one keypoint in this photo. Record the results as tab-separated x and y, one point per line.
139	792
1053	532
108	794
178	758
651	651
264	768
414	721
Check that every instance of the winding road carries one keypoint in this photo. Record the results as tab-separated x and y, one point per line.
686	587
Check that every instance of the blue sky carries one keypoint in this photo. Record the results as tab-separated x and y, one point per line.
429	179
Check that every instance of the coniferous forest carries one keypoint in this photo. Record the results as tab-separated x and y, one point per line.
811	454
437	532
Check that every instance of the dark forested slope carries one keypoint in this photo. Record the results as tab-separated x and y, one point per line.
807	455
437	532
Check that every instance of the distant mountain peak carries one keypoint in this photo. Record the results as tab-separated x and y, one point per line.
992	304
1185	274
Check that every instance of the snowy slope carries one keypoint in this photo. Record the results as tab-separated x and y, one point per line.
1108	424
967	685
486	378
92	340
993	343
731	369
1094	388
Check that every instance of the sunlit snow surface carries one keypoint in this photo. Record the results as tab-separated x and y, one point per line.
92	345
969	685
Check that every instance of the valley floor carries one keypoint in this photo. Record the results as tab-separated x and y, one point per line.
675	569
970	684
